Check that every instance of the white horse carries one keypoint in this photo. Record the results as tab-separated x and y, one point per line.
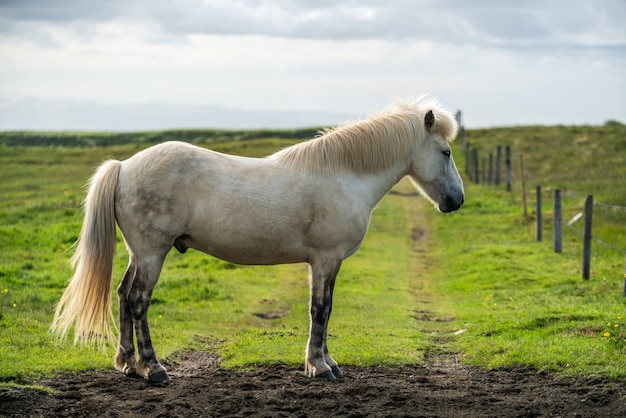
310	203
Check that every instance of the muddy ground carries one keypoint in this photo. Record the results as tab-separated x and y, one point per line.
200	387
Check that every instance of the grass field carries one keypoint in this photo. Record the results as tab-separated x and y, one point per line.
478	271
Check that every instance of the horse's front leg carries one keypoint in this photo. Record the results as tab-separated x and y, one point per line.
334	366
318	361
139	298
125	358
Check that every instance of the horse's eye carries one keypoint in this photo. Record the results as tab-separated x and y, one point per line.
447	152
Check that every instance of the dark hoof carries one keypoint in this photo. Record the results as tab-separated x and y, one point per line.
329	376
336	372
159	377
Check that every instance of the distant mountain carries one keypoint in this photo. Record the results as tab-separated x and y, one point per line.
42	114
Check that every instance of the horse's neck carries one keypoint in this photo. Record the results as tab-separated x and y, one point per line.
379	184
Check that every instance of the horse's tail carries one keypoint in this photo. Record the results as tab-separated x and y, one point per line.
86	303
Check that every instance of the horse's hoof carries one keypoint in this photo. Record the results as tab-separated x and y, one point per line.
336	372
161	378
328	376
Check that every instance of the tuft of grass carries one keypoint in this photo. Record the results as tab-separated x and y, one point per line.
8	386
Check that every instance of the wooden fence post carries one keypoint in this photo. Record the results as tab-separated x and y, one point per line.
498	164
624	292
507	151
467	160
462	138
587	237
490	178
558	246
475	165
521	164
483	175
539	230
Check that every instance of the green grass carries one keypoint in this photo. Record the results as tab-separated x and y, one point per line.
519	301
479	270
527	304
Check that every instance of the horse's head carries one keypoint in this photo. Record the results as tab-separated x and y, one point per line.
432	168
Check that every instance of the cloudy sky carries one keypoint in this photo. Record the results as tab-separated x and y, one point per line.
501	62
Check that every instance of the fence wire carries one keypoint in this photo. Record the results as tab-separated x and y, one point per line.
564	193
570	195
598	240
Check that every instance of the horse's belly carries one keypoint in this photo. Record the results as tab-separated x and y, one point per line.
254	255
250	249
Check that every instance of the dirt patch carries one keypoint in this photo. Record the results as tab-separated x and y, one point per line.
272	309
429	316
200	387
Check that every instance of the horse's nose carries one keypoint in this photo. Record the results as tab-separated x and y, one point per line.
452	203
459	201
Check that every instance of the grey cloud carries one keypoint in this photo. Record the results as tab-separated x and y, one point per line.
492	23
60	11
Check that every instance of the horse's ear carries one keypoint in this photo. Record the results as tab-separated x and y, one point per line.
429	120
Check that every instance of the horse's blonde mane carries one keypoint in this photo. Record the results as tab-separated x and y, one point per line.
369	145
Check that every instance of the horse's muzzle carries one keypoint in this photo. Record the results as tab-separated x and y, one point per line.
450	204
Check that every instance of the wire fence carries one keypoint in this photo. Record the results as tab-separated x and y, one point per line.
573	220
498	169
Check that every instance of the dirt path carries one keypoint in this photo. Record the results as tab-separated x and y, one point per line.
200	387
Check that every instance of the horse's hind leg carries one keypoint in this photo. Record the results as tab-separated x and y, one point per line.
125	358
146	276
